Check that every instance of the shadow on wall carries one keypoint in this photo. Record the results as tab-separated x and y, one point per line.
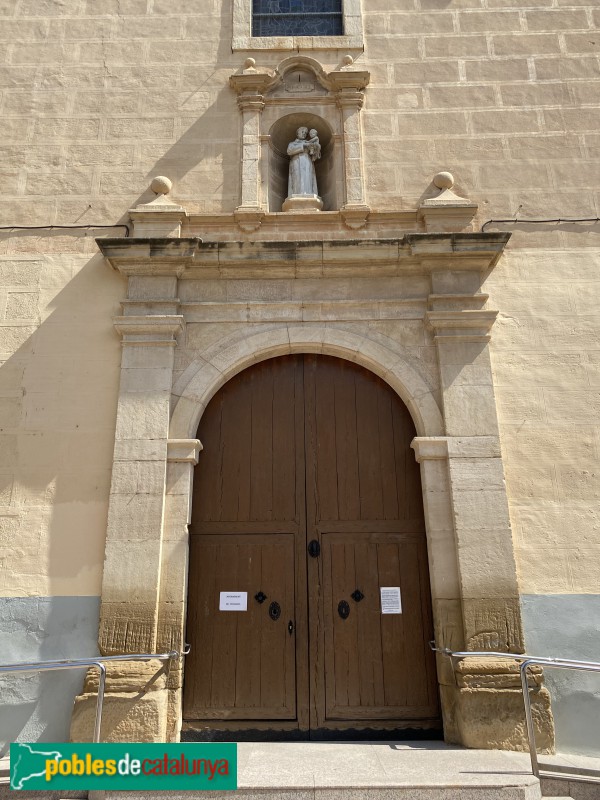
58	395
211	137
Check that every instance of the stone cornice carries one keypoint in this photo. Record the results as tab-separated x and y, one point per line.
457	302
151	256
413	253
422	253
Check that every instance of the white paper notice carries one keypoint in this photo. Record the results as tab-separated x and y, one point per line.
390	600
233	601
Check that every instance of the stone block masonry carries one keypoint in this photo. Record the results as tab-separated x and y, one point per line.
146	80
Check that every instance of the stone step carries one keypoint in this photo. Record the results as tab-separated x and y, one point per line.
361	771
360	793
369	771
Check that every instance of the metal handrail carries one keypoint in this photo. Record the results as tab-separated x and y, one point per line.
83	663
526	662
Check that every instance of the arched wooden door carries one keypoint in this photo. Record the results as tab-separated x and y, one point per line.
309	607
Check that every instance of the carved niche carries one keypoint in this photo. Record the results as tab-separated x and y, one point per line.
273	104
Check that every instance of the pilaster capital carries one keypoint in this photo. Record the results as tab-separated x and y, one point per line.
348	81
184	450
461	325
428	448
252	82
253	102
350	99
150	330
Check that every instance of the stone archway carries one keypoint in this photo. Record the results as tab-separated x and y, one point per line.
230	356
308	451
449	394
227	357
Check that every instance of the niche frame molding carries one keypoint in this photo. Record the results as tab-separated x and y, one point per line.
263	98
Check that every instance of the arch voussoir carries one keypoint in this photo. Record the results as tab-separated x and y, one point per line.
204	377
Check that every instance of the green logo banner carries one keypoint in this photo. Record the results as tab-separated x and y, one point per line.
62	767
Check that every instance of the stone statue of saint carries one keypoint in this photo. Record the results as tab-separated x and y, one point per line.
303	194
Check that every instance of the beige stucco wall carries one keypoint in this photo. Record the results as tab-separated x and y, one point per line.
58	378
546	361
98	96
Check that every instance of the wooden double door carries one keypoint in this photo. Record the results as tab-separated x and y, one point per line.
307	503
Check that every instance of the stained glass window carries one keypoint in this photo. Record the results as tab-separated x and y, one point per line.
297	18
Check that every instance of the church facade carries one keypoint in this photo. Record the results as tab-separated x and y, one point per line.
300	366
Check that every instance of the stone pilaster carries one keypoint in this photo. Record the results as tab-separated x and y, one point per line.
484	709
136	703
489	589
350	87
182	456
250	86
131	580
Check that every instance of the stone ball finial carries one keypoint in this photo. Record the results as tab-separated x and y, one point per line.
250	63
347	60
444	180
161	185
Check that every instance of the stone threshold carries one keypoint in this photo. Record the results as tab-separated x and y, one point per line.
370	771
424	770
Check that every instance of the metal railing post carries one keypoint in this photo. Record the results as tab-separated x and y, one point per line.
83	663
100	700
535	767
525	662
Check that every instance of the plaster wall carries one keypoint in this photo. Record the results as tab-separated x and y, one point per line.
98	96
39	707
575	695
545	360
59	375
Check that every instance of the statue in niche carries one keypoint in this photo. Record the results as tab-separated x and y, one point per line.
303	193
